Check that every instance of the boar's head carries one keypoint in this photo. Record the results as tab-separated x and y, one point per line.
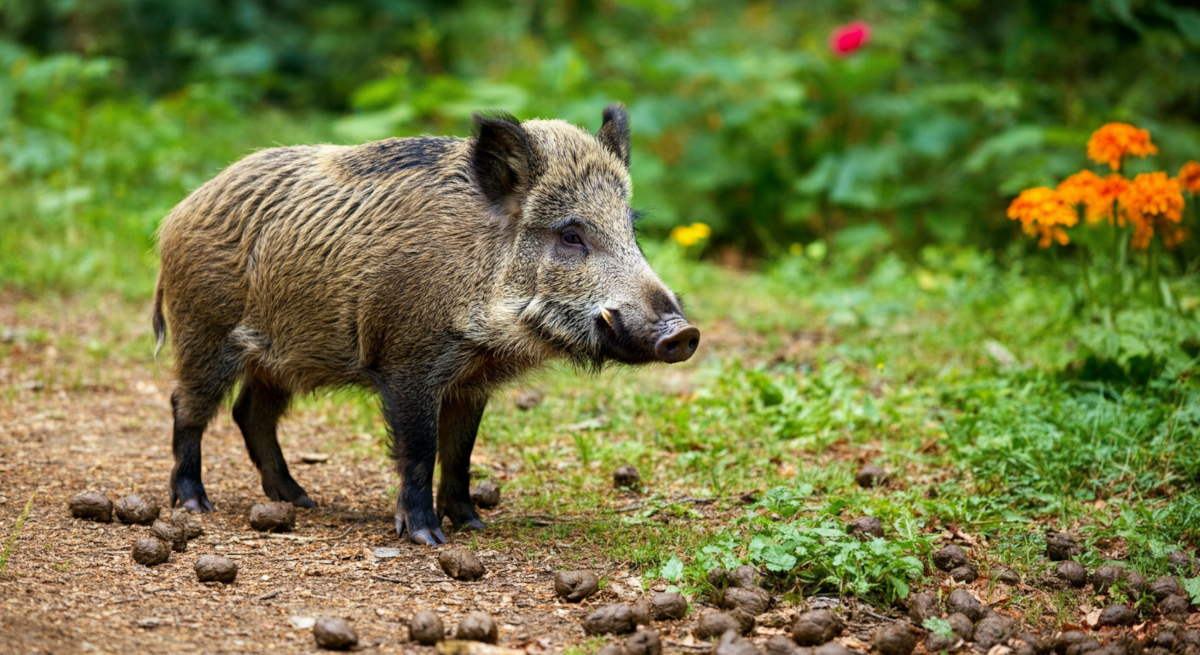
574	282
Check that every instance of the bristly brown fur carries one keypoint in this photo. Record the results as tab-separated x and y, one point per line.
432	269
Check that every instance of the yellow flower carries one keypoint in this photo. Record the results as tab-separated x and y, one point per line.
1094	193
1152	201
1116	140
1043	213
690	235
1189	177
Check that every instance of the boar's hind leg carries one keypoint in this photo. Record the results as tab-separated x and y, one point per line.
257	412
203	381
457	426
411	414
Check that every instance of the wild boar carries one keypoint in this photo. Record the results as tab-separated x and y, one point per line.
430	269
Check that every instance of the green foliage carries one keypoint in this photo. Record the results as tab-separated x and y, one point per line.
815	553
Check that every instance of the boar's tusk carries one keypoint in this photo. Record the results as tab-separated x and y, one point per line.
606	315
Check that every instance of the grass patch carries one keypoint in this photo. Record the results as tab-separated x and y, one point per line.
12	538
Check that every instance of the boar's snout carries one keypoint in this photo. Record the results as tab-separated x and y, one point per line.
678	341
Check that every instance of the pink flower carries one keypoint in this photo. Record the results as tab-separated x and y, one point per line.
848	38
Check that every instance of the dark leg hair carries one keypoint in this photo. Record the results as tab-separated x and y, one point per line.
257	412
203	382
457	427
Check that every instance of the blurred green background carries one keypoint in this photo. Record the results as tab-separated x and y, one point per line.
111	111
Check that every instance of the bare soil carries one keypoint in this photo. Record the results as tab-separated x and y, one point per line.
71	585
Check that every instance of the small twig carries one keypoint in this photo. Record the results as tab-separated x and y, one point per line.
387	578
267	596
292	537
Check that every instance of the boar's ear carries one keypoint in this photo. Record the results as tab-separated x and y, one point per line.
614	133
502	158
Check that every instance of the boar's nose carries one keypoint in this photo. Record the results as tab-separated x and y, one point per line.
678	343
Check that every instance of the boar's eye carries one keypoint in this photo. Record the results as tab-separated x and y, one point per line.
572	238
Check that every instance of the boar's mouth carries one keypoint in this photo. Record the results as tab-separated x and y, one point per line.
674	340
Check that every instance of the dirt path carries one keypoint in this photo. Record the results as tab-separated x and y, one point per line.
71	585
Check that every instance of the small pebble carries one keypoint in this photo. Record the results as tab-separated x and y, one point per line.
626	477
961	600
816	627
866	527
950	557
216	568
895	639
137	509
744	576
643	642
273	517
732	643
666	605
461	564
426	628
615	619
150	551
92	505
574	586
1061	546
966	574
170	534
486	494
752	600
1073	572
477	626
334	633
1117	615
871	476
712	623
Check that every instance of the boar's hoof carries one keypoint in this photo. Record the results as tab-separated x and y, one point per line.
286	489
430	536
189	494
304	502
678	345
462	516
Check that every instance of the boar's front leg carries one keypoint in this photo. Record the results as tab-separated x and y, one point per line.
457	427
411	413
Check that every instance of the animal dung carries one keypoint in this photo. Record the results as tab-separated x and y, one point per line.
574	586
626	477
334	633
171	534
477	626
149	551
216	568
461	564
486	494
137	509
92	505
426	628
273	517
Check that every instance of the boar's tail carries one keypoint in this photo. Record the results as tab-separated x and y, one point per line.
160	326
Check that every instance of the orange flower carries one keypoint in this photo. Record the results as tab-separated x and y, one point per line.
1189	177
1116	140
1094	193
1043	213
1152	201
